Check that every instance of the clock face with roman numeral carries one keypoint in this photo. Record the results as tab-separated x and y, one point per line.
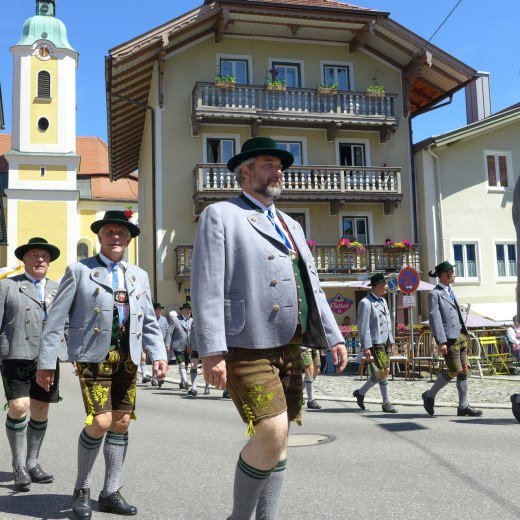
43	51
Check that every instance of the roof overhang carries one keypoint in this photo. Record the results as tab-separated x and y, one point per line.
2	120
429	74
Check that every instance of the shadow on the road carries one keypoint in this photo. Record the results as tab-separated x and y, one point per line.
400	416
402	426
334	410
486	421
44	507
6	476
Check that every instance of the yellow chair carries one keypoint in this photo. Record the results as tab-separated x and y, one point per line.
496	361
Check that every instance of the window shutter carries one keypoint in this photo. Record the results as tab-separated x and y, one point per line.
44	84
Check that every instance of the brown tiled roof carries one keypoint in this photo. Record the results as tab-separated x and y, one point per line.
94	164
312	3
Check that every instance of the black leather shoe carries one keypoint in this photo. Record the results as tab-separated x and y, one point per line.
515	407
389	408
146	379
161	382
22	480
360	399
184	386
428	403
471	412
226	395
81	503
39	476
116	504
192	392
314	405
155	382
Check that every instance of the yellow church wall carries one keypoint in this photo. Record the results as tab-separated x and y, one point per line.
30	172
46	219
44	108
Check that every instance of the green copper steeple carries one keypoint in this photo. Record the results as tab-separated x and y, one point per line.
45	26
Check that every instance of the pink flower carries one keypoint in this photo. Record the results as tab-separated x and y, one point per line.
311	243
128	213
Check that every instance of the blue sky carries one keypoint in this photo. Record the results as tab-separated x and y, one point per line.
481	33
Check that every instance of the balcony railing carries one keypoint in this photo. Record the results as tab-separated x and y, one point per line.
311	183
255	105
332	263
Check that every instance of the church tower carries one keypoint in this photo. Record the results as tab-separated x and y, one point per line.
42	198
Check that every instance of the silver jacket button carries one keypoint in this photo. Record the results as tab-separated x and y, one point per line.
276	308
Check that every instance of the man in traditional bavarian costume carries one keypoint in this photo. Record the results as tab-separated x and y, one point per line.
256	299
377	340
24	303
449	330
108	306
179	334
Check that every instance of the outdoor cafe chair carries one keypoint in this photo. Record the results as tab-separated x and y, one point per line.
424	351
496	361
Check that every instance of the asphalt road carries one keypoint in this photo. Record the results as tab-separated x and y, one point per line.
183	451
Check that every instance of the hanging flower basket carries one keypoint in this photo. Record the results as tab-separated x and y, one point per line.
346	245
398	247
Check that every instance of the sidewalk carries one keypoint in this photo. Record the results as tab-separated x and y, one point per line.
492	392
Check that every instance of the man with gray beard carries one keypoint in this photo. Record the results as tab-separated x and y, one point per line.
256	298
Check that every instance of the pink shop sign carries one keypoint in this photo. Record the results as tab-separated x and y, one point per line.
339	304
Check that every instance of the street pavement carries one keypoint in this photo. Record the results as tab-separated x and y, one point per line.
183	451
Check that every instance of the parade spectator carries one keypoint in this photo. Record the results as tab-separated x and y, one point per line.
25	300
449	330
513	336
257	298
107	304
163	325
377	340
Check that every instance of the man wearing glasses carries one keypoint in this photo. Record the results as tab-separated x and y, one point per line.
24	302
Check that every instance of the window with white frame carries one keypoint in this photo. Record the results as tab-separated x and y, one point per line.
498	169
466	260
355	228
506	259
295	147
219	150
287	71
337	74
235	67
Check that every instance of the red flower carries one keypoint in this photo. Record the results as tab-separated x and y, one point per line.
128	213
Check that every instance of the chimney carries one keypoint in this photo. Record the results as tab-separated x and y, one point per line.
478	98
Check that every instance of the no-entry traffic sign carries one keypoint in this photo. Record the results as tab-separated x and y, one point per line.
408	280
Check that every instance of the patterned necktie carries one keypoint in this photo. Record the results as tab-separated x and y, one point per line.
452	296
283	236
38	285
115	285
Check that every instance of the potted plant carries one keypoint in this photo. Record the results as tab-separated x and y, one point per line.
350	245
222	81
327	88
375	90
271	83
398	246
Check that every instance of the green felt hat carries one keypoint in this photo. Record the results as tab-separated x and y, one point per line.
116	217
37	243
441	268
376	279
260	146
185	306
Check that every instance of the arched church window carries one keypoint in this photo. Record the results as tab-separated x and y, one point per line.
44	84
82	251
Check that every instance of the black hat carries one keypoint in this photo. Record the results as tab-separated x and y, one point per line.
37	243
441	268
158	306
376	279
116	217
185	306
260	146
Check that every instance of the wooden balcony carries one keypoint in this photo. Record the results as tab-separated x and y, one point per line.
332	264
333	184
295	107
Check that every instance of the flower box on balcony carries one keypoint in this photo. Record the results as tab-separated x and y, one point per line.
275	87
225	84
348	246
327	90
375	91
